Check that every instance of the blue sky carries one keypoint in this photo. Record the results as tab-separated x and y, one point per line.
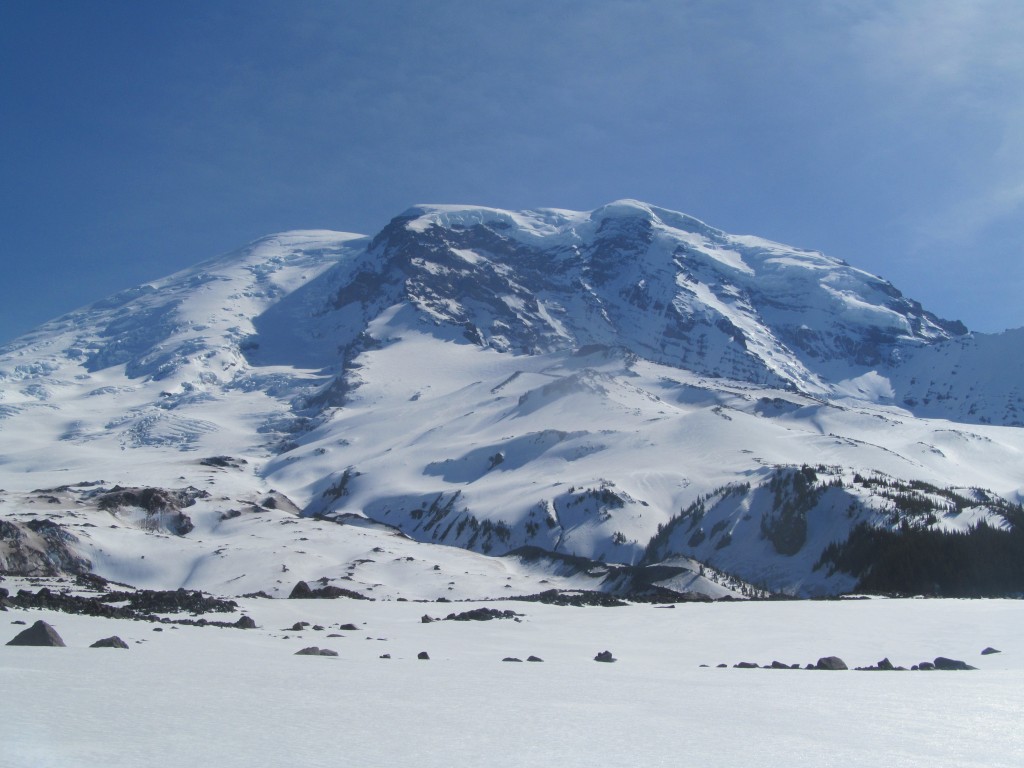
141	138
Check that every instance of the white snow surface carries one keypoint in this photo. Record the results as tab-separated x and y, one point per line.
231	697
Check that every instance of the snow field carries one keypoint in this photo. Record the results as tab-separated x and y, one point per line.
239	697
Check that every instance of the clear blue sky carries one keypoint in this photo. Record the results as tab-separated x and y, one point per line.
139	138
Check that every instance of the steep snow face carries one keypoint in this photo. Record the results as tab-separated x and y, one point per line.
151	366
661	284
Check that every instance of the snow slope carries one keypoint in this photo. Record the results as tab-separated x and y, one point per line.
574	382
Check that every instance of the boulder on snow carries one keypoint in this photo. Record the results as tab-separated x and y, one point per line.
40	634
534	658
830	663
989	651
315	651
605	656
110	642
951	664
423	655
301	591
246	622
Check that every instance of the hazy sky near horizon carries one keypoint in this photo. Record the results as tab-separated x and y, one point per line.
140	138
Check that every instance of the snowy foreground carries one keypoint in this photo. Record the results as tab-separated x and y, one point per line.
209	696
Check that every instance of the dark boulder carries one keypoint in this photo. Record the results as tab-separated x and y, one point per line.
926	666
110	642
534	658
830	663
989	651
246	622
423	655
385	656
512	658
349	628
39	634
301	591
949	665
314	651
746	665
605	656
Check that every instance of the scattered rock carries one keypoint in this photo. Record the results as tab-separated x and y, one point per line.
831	663
298	626
721	666
989	651
534	658
349	628
605	656
317	628
779	665
39	634
926	666
481	614
883	666
423	655
512	658
302	591
385	656
746	665
110	642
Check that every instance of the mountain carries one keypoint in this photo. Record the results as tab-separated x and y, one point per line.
623	399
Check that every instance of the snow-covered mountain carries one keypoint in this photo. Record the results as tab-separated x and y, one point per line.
695	409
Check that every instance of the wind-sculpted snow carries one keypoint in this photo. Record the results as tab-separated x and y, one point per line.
571	383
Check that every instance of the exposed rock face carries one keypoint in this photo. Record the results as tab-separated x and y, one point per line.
39	548
39	634
161	507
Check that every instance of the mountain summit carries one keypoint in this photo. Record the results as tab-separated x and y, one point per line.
626	385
